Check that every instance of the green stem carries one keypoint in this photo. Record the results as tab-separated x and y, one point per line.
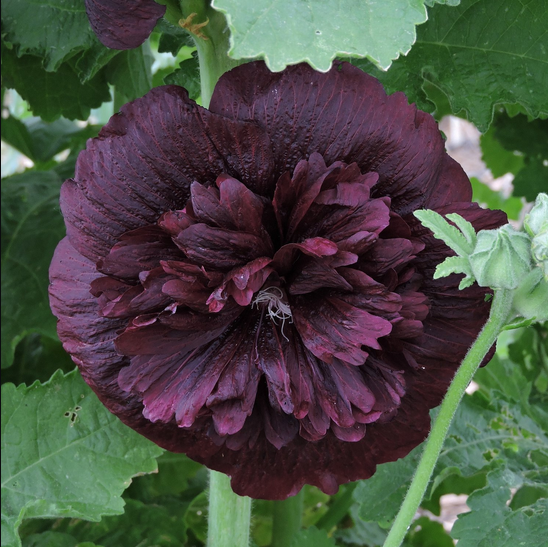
286	520
338	509
498	318
213	49
229	514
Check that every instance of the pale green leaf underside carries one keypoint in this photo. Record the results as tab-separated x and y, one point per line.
285	33
64	454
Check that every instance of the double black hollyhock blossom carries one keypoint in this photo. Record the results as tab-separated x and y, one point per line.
123	24
248	284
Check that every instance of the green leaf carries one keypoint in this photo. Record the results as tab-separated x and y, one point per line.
312	537
172	38
486	197
465	227
499	160
50	539
455	264
196	516
52	30
482	431
491	522
130	72
37	357
142	525
64	454
187	76
53	94
428	533
41	141
286	33
31	229
362	533
532	179
479	54
450	235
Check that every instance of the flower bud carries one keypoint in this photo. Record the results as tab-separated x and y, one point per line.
531	297
502	258
538	216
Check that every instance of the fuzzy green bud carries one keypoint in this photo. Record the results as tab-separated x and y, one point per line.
501	258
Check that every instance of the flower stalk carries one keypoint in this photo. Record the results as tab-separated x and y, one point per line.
501	312
286	516
229	514
212	43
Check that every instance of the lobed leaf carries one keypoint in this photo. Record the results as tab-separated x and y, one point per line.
479	54
286	33
64	454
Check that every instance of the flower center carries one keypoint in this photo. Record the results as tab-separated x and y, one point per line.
273	299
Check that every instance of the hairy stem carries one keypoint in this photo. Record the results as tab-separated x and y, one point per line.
212	44
338	509
498	318
286	516
229	514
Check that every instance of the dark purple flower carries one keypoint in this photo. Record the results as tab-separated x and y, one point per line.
248	285
123	24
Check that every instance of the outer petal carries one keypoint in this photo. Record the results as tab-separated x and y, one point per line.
144	160
123	24
345	116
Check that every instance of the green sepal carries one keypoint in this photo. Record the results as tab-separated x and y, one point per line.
502	258
537	219
531	297
455	264
450	235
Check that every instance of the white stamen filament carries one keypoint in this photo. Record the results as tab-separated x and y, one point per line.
276	308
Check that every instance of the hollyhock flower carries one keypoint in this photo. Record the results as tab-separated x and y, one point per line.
123	24
248	284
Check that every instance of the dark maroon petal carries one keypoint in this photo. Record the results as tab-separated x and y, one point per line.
318	273
139	250
315	247
221	249
123	24
143	162
345	116
331	328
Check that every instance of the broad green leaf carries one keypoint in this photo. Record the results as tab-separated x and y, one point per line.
51	30
37	357
482	431
174	473
486	197
428	533
41	141
31	229
143	525
381	496
196	516
52	539
312	537
52	94
130	73
479	54
532	179
64	454
286	33
491	522
362	533
450	235
499	160
172	37
187	76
